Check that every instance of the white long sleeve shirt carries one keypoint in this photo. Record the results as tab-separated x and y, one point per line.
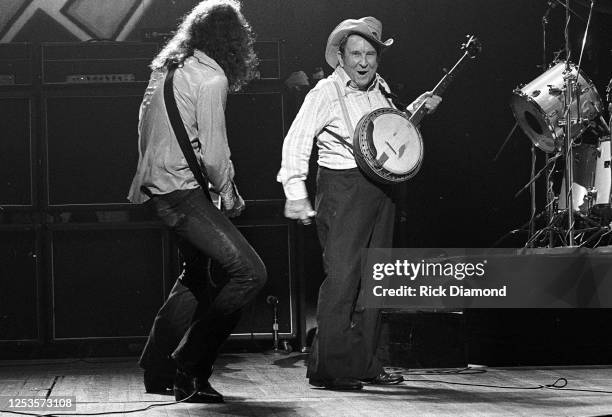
200	89
321	117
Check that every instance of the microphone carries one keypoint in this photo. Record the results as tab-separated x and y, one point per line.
273	301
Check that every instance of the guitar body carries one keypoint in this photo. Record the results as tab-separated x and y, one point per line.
389	148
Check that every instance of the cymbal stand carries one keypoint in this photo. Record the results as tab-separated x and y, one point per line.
555	230
532	192
571	85
569	154
548	233
549	164
550	195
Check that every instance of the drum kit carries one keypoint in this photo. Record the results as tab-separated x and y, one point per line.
562	113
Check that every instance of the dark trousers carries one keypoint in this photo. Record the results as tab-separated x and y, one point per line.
199	315
353	213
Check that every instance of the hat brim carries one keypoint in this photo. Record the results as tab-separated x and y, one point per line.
333	44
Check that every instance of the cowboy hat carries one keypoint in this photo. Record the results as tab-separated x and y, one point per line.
368	27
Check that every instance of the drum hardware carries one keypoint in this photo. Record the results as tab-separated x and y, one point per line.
559	111
532	219
549	192
592	179
571	78
549	163
388	145
587	231
590	229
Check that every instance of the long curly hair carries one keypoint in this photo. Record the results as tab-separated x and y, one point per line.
217	28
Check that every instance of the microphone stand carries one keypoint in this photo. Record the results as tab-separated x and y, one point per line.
273	301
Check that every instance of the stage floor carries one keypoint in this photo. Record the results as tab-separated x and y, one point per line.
255	384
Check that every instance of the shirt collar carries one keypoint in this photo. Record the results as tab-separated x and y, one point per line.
345	79
206	60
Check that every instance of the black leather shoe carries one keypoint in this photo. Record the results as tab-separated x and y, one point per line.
156	382
194	389
385	378
341	384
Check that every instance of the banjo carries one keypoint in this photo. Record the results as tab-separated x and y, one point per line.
388	145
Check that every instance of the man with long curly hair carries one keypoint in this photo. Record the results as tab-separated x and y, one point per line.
211	54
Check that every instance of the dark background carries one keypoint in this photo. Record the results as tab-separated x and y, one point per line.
70	242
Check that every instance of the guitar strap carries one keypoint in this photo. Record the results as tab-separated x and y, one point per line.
199	172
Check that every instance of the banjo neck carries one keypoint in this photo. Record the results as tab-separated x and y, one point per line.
472	48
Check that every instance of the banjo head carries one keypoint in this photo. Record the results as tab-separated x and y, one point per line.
388	147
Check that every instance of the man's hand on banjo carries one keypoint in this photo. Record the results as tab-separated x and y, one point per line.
300	210
431	102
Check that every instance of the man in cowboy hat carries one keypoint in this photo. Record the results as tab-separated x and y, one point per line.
352	212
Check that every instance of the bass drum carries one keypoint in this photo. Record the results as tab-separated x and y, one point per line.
592	178
388	147
539	107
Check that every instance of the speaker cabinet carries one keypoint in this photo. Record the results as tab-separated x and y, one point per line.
68	62
273	246
255	135
91	147
16	147
15	64
422	339
272	243
19	291
268	53
105	283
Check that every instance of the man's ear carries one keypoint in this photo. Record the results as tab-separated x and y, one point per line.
340	59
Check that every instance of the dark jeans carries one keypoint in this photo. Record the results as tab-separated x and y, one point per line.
199	315
353	213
